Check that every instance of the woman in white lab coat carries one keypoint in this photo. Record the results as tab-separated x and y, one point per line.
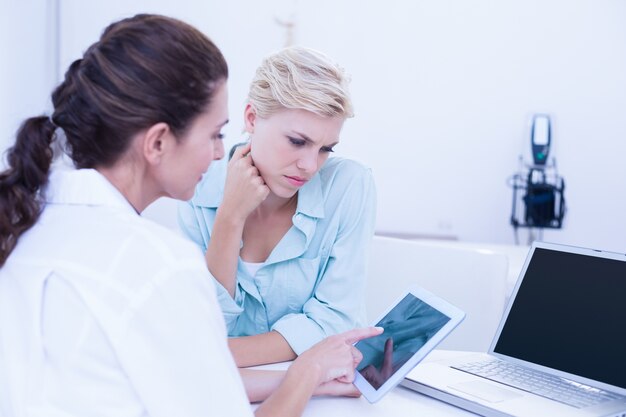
101	311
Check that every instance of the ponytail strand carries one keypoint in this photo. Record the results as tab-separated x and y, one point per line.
20	185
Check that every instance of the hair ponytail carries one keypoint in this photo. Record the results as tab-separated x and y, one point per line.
29	162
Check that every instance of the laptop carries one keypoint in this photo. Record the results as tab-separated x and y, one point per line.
560	348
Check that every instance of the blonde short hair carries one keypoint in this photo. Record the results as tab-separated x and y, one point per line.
300	78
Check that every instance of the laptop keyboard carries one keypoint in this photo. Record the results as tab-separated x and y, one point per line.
539	383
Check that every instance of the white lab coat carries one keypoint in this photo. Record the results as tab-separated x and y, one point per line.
104	313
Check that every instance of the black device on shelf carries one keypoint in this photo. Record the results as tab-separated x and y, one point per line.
538	187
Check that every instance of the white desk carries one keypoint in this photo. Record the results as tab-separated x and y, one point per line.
399	402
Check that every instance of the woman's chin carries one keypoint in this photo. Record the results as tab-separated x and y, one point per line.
283	192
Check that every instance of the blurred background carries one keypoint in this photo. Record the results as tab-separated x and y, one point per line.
444	92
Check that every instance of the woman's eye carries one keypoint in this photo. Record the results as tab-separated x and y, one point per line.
219	136
297	142
326	149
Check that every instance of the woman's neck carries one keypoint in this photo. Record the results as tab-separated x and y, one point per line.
130	180
273	205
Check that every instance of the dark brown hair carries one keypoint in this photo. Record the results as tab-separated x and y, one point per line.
144	70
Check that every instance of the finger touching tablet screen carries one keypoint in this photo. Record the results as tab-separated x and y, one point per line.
414	325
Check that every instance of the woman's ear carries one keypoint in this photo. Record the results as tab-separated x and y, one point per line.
157	140
249	117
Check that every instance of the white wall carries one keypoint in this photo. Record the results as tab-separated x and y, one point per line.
27	57
444	90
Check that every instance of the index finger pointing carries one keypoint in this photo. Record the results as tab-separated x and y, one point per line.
354	335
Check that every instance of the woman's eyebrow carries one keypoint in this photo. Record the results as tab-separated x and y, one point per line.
303	136
308	139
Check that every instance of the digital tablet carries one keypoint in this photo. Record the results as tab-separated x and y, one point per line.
414	325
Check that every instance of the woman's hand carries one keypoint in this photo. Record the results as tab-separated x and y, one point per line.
245	188
334	357
335	388
325	369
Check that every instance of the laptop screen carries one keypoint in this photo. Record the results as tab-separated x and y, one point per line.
569	314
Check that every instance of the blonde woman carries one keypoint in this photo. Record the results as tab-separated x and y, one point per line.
287	234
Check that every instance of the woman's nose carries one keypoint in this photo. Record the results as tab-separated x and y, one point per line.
218	150
308	162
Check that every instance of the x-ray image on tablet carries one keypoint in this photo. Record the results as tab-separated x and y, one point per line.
407	328
413	327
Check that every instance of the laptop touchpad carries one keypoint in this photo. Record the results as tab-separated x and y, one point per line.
486	391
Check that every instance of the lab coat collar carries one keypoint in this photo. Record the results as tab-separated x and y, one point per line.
85	187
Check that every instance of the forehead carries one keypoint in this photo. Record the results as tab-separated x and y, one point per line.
217	112
318	128
219	102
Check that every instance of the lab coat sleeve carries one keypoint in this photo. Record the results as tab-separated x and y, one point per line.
175	350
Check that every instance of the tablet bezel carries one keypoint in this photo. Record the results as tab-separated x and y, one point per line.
455	314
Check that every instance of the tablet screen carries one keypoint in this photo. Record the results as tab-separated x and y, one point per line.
408	326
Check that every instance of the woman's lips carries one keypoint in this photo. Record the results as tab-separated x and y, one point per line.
296	181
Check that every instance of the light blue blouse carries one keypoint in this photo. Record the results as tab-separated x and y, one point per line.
313	283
